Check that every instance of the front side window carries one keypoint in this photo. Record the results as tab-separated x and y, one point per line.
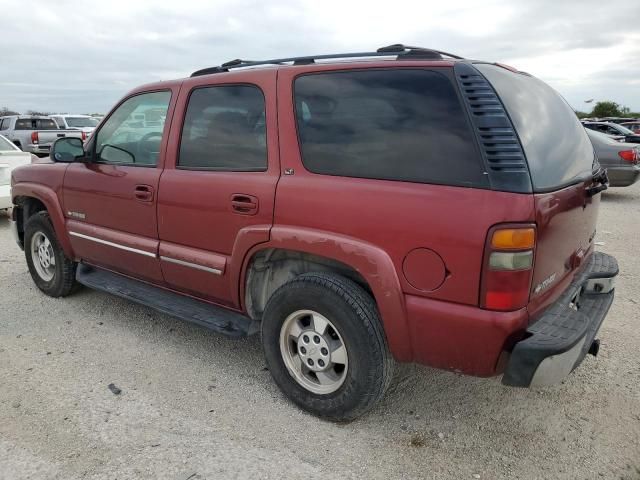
133	133
391	124
224	130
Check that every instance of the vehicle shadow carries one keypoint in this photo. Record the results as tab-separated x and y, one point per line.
417	394
619	196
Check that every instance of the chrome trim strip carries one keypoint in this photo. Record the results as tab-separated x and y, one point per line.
215	271
115	245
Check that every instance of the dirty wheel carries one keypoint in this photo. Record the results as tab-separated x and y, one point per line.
325	346
51	270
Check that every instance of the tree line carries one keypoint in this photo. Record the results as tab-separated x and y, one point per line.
608	109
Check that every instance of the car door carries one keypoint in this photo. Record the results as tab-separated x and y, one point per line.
217	191
110	199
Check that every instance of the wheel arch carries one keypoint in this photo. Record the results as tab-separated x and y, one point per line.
294	251
32	198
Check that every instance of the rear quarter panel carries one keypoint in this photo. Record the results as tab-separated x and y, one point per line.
395	217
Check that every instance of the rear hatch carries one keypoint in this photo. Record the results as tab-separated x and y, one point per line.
563	171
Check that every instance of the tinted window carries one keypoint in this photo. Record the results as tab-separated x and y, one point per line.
133	133
4	123
224	129
556	145
386	124
36	124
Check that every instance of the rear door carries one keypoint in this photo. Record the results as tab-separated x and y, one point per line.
217	192
110	201
561	163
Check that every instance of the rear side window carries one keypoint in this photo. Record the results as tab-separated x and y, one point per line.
224	130
36	124
555	143
395	124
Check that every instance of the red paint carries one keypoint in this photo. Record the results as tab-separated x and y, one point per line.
566	226
419	247
461	337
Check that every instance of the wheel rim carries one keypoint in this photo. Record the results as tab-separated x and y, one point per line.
42	255
313	351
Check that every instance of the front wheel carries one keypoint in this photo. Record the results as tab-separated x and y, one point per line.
51	270
325	346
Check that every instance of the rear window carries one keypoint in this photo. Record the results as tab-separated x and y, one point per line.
80	122
556	145
36	124
391	124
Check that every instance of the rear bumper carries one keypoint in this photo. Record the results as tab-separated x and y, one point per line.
558	341
39	149
623	176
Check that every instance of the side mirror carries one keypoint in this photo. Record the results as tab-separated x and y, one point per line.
66	150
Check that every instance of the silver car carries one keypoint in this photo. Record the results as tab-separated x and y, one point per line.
622	160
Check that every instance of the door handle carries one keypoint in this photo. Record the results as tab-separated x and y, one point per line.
144	193
244	204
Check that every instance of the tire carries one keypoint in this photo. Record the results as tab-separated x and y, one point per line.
355	379
55	278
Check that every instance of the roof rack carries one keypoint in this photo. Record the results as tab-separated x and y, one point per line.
398	50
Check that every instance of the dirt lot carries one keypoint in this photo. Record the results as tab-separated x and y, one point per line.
195	405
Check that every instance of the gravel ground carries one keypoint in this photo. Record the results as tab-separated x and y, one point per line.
196	405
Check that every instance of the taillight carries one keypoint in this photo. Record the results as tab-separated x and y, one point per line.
34	137
84	136
630	156
508	268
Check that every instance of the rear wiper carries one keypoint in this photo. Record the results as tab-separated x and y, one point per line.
600	182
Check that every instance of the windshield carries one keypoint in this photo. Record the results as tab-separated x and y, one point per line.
623	130
6	145
80	122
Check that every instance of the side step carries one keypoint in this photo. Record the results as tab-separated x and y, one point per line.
210	316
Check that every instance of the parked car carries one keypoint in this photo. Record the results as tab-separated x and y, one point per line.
404	204
613	129
622	160
84	123
633	126
34	134
10	158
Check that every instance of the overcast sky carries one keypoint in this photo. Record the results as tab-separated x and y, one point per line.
79	56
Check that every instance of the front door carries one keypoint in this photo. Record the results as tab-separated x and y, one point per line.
110	200
218	188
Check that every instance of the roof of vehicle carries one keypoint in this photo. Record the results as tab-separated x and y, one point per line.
70	115
601	123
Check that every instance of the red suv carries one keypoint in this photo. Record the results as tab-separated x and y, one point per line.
404	204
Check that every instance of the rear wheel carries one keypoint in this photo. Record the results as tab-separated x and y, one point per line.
51	270
325	346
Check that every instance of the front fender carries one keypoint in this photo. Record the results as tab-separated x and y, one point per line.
50	200
373	263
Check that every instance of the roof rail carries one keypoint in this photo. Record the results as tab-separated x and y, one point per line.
398	50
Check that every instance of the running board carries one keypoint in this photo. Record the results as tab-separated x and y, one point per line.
186	308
